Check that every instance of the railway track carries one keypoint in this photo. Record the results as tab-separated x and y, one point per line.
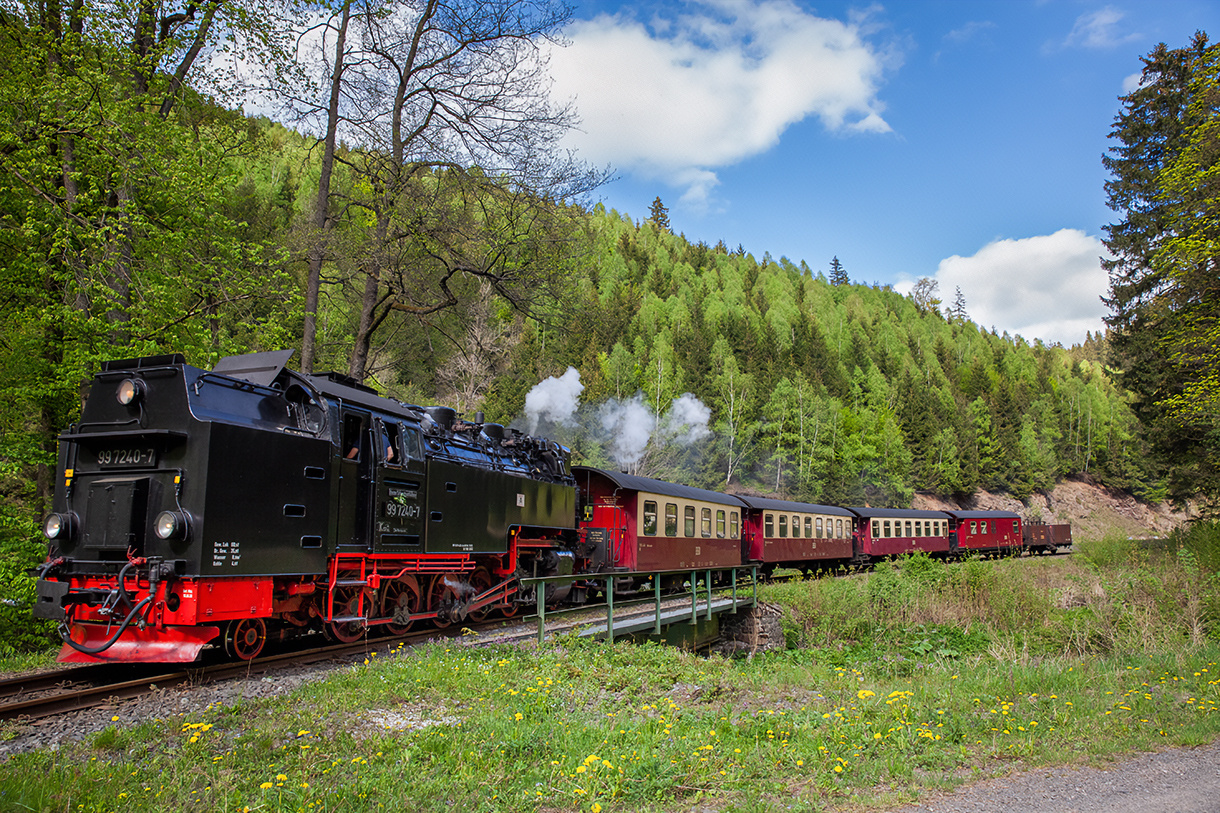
46	694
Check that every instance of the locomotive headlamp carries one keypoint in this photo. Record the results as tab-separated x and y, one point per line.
130	391
59	527
171	525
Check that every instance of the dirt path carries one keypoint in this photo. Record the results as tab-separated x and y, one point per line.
1179	780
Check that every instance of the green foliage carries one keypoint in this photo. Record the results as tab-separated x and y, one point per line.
1163	285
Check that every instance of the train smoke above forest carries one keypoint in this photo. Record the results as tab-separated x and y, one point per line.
622	427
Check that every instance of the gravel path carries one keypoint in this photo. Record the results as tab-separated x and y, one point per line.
1178	780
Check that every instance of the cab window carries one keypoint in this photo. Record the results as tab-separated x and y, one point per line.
390	450
410	444
650	518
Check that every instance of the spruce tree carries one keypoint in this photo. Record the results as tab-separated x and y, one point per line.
658	214
838	276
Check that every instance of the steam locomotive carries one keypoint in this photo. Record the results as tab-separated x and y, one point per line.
251	502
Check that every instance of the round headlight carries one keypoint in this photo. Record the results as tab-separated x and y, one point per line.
58	527
130	390
170	525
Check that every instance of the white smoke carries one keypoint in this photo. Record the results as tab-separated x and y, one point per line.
629	426
554	400
687	420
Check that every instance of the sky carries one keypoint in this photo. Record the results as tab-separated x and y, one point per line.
948	139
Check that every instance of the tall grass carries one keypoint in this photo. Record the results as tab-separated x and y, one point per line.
1113	597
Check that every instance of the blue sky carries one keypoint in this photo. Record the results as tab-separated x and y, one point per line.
956	140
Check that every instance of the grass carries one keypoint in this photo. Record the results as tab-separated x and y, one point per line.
920	675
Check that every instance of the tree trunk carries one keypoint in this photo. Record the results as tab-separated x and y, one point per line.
321	220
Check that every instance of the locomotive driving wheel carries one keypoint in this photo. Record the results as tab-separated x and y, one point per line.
244	638
445	597
400	600
480	581
348	607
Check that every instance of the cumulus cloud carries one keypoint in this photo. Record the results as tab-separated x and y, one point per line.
1046	287
1099	29
678	96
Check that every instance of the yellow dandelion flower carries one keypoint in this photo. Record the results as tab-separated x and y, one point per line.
279	777
266	785
864	694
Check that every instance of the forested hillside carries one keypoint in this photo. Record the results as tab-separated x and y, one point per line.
838	393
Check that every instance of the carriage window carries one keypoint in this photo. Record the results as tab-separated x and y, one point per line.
783	526
876	529
909	528
886	526
769	526
819	527
993	526
706	517
974	528
1016	527
918	528
671	519
650	518
809	527
720	524
839	528
688	517
732	525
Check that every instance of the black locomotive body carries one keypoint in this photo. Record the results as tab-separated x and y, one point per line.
229	505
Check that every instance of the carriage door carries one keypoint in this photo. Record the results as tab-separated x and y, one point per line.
355	481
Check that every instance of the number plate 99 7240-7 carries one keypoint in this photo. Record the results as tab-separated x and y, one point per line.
126	457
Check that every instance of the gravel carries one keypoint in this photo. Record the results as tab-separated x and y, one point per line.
1175	780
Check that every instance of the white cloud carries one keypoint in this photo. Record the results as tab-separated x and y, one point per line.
1046	287
1099	29
677	97
1132	82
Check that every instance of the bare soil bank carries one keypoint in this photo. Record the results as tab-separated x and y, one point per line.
1092	510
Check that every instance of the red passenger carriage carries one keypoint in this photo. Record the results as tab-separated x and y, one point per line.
637	523
779	533
895	531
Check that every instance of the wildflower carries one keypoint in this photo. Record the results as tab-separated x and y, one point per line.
267	785
864	694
